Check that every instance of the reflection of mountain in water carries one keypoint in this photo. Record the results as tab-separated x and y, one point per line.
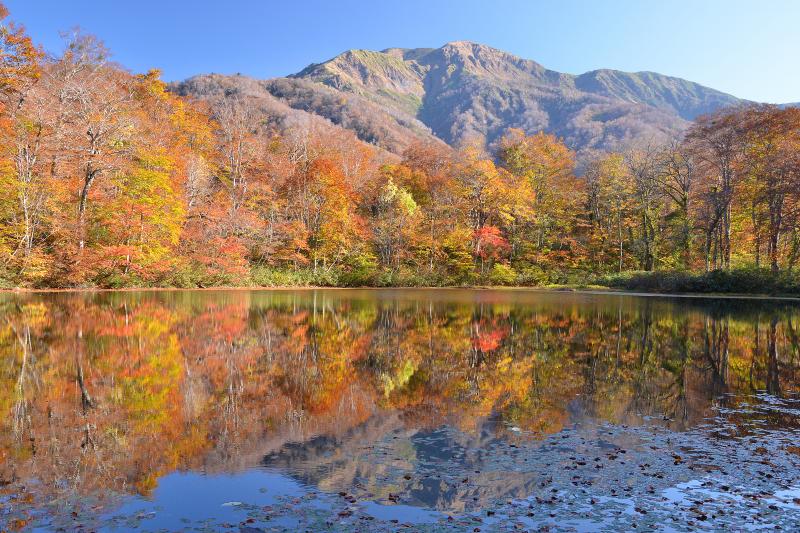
442	468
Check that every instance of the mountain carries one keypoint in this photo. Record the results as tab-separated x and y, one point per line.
464	91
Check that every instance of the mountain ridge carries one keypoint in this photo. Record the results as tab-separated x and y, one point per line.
465	91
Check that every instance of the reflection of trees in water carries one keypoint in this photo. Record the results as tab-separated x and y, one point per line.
27	378
111	390
773	381
715	352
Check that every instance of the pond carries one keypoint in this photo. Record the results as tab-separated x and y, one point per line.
387	410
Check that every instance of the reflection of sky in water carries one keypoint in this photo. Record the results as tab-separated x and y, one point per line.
183	500
201	497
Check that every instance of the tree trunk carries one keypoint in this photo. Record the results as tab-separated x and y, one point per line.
87	183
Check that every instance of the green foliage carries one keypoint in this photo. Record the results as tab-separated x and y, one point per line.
459	262
392	194
738	281
6	283
407	277
534	275
502	275
261	276
361	271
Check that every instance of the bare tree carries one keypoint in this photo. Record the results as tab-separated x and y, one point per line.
643	166
676	179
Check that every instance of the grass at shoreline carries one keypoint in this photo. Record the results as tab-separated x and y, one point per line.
738	282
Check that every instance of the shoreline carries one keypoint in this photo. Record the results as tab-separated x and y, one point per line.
546	289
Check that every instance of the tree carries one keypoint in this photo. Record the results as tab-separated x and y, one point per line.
771	165
643	167
677	179
239	147
427	173
22	133
486	196
610	210
394	213
543	166
715	142
20	63
94	119
144	222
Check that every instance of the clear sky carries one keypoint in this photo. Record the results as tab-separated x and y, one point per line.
748	48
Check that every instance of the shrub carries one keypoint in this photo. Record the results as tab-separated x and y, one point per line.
740	280
502	275
262	276
534	275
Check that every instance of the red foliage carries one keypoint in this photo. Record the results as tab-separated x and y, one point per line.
490	243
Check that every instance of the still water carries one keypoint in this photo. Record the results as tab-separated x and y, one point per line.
415	410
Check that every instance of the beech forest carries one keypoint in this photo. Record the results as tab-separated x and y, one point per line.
110	179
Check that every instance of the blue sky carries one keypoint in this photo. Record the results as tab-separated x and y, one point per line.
748	48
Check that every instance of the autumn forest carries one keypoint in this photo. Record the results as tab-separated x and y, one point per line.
111	179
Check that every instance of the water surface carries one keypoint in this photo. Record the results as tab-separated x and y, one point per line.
370	410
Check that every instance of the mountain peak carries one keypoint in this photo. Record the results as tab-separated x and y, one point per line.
466	90
469	47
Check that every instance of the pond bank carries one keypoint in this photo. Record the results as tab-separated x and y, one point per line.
720	283
580	289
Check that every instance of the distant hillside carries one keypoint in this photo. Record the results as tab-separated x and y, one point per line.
463	91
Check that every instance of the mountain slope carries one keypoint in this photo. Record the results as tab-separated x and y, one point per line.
284	103
465	91
684	98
